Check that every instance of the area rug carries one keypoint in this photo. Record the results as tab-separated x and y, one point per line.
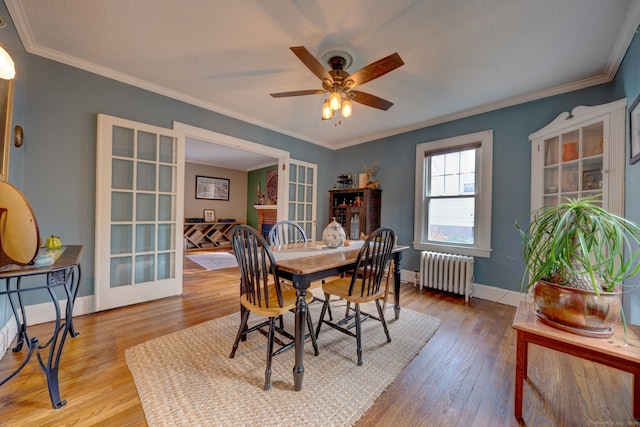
214	260
187	378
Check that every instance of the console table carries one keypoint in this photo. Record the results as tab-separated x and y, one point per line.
610	352
63	274
207	235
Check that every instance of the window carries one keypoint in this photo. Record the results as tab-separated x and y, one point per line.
453	195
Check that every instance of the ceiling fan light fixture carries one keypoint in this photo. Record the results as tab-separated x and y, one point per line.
338	83
346	108
327	112
334	100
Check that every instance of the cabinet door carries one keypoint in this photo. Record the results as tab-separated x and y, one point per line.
355	222
372	214
580	154
574	162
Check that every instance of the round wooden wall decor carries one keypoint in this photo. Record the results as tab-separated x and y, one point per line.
19	235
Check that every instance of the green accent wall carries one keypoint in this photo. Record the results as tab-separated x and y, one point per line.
254	177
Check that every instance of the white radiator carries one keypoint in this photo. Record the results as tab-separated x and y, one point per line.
447	272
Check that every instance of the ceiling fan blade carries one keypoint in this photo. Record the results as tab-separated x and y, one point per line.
312	63
297	93
370	100
374	70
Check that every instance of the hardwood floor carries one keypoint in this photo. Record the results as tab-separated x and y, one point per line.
464	376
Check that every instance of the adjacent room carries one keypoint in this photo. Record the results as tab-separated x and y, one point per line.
354	213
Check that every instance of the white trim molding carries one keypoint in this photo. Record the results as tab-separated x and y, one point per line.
485	292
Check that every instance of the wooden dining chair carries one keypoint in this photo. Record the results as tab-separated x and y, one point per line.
362	286
285	232
388	290
261	293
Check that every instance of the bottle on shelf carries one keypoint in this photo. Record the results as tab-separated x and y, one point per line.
354	227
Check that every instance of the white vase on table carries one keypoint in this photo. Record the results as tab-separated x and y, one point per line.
333	235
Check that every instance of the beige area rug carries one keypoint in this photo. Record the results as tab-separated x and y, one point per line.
187	378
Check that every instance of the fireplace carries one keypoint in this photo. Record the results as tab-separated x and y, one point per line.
267	216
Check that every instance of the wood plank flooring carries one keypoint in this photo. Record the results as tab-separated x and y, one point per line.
463	377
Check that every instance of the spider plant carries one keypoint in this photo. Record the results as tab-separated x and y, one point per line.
579	244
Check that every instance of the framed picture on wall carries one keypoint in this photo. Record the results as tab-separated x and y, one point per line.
634	131
211	188
6	107
209	215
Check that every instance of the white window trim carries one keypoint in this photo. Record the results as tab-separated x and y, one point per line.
482	245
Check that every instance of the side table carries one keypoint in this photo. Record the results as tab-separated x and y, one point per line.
610	352
64	273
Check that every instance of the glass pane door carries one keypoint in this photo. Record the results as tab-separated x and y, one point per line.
301	206
138	255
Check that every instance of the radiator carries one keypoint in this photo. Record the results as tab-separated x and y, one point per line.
447	272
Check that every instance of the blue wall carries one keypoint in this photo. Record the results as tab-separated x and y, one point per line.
627	84
511	175
57	106
59	151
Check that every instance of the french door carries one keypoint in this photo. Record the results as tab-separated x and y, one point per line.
139	176
302	195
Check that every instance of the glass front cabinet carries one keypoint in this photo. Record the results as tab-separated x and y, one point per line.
579	154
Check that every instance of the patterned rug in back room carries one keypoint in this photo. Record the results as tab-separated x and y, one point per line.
214	260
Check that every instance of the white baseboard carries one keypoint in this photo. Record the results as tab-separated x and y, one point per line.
7	334
41	313
489	293
499	295
409	276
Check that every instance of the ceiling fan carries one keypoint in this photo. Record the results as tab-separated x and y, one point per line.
339	83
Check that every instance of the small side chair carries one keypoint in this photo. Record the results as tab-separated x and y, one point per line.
363	286
261	293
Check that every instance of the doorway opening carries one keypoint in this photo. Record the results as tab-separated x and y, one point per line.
209	148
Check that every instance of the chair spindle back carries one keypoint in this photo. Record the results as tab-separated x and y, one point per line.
371	262
284	232
257	266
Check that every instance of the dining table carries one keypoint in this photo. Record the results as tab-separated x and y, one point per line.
304	263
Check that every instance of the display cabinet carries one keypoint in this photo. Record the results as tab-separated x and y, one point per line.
579	154
357	210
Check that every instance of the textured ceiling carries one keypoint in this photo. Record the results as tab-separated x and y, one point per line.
461	57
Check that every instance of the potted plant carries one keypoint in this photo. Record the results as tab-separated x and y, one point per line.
577	257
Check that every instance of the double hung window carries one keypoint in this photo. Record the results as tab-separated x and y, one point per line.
453	195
